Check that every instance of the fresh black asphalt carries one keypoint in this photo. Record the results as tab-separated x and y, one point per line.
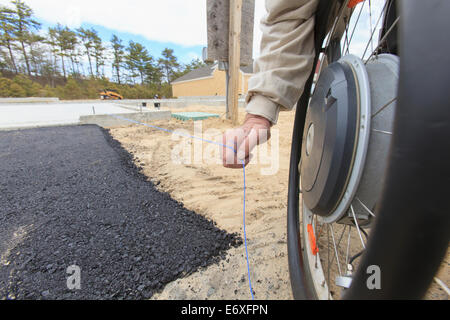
73	196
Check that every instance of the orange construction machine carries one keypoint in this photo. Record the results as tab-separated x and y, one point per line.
110	94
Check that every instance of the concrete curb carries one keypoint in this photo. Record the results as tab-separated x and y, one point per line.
180	103
110	121
131	103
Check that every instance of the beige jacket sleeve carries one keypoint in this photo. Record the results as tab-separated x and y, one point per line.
286	57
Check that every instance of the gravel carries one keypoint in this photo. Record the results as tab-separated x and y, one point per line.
73	196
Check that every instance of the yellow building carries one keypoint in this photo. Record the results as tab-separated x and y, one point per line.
208	81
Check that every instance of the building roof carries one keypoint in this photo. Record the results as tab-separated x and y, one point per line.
201	72
206	71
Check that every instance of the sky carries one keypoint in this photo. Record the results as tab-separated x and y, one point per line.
157	24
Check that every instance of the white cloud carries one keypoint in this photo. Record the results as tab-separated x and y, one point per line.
177	21
193	56
181	22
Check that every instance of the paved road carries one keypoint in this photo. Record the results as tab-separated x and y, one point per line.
72	196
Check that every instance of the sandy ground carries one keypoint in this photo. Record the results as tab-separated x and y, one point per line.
204	185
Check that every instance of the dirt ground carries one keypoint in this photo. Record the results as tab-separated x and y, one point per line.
205	186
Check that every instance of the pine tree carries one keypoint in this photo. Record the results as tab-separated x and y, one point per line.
169	64
24	24
118	55
7	37
71	43
61	42
66	41
99	50
153	73
36	53
137	59
24	51
87	39
52	41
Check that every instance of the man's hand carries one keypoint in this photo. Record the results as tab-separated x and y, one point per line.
240	141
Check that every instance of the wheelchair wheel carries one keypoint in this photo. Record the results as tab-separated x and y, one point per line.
367	210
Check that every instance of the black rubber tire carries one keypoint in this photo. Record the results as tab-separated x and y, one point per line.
301	282
412	229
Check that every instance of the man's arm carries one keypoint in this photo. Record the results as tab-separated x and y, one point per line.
286	57
280	73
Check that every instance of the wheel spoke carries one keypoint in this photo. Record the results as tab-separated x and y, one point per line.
357	226
370	22
383	107
381	131
331	34
336	22
373	31
340	239
328	261
354	27
336	247
384	38
346	41
348	246
365	207
317	239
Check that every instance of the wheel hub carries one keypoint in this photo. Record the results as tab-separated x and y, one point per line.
342	156
332	119
310	139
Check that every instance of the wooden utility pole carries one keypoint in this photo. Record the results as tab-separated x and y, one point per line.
234	58
218	22
230	42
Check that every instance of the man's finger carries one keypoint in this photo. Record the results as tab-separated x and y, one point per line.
238	163
232	139
254	138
